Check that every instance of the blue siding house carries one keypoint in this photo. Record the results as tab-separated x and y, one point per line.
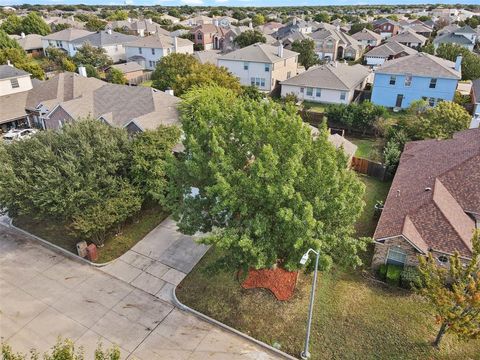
400	81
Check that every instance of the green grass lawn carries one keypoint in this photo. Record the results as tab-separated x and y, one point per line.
354	317
313	106
148	83
115	245
368	148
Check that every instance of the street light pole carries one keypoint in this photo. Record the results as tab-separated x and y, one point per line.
305	354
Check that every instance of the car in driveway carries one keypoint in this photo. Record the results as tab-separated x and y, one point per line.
18	134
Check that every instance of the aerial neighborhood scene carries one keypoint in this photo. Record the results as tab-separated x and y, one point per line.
213	179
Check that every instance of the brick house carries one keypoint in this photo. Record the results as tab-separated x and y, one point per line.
386	27
434	203
209	36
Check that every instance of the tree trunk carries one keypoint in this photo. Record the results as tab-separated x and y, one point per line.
440	334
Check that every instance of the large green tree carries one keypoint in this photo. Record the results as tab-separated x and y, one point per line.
12	25
151	157
34	24
91	55
181	72
170	68
249	37
115	76
95	24
454	293
6	42
78	176
267	191
18	57
306	48
470	60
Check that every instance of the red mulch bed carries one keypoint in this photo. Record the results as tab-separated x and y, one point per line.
279	281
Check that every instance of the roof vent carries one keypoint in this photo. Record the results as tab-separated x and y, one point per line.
428	189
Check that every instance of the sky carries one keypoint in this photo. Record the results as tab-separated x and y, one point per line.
272	3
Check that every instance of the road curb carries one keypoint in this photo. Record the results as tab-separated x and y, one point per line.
58	248
202	316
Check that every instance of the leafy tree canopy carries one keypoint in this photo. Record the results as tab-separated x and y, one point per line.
267	191
95	24
18	57
258	19
115	76
91	55
322	17
12	25
118	15
306	48
454	293
249	37
470	61
6	42
34	24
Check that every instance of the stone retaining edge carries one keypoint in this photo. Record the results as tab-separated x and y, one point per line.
184	307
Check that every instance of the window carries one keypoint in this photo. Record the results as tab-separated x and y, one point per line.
329	44
289	74
139	50
267	68
433	83
302	90
343	95
245	66
408	80
199	36
309	91
431	101
14	83
443	259
262	82
318	92
393	80
153	51
252	81
396	256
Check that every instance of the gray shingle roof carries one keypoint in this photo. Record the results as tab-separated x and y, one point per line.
408	36
158	41
7	71
465	30
67	34
390	49
30	42
262	53
451	38
104	38
330	76
127	67
421	64
366	34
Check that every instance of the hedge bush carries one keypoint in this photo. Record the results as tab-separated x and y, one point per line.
382	271
410	278
393	274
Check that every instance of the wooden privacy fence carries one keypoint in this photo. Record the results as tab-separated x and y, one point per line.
370	168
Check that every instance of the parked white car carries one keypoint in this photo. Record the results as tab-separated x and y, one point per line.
18	134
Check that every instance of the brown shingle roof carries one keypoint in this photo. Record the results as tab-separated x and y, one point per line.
436	186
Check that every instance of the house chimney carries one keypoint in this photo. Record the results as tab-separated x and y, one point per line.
175	44
22	35
82	71
72	18
9	63
215	22
141	32
294	21
250	25
458	63
280	50
150	21
109	31
169	91
129	20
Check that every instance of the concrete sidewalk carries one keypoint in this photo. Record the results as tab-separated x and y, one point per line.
158	262
44	295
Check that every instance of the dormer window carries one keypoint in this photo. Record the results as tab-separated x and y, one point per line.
14	83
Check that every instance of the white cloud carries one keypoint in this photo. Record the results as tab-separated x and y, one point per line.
221	1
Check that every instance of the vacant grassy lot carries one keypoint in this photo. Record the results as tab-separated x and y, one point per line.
354	317
116	244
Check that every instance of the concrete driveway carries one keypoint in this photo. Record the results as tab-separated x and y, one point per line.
44	295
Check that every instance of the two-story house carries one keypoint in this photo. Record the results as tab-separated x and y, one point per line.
147	51
464	36
331	44
112	42
64	40
367	38
14	87
144	27
261	65
386	27
400	81
209	36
